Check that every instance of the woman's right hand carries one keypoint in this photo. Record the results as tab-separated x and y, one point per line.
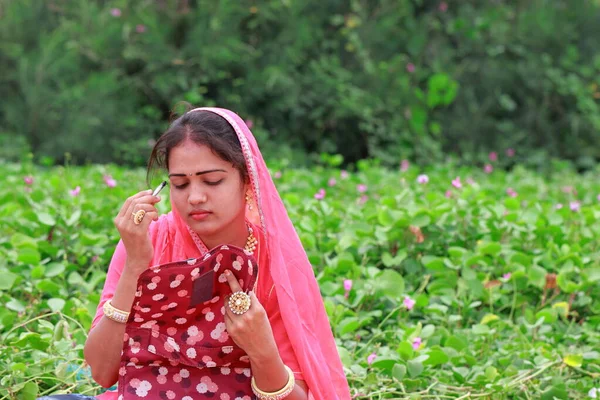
136	238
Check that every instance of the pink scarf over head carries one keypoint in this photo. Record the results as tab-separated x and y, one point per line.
300	300
280	252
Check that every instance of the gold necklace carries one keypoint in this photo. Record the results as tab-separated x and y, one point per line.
250	242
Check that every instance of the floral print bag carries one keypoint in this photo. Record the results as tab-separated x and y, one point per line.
175	344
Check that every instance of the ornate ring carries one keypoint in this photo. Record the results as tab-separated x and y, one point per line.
138	216
239	303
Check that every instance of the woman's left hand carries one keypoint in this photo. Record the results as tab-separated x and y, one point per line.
251	330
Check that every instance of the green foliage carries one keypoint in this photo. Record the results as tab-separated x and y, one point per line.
453	290
391	79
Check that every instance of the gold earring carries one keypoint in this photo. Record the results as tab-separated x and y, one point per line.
249	200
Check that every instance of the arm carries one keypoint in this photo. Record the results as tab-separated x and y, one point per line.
253	332
104	344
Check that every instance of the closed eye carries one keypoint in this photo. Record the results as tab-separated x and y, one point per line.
213	183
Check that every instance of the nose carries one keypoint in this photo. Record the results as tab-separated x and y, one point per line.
196	195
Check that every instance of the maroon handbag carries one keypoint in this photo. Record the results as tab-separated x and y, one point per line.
176	345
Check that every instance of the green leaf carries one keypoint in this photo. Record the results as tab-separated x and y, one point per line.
436	357
29	391
421	219
54	269
414	368
56	304
390	283
348	325
573	360
399	371
479	329
456	343
537	276
15	305
491	373
490	248
549	315
7	279
433	263
489	318
46	218
28	255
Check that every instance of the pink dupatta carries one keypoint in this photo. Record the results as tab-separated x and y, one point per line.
281	253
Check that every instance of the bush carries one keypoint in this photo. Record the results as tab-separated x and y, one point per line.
412	79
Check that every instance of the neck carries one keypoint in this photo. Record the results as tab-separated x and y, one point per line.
235	234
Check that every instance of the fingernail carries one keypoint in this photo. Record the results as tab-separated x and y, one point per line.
149	191
227	273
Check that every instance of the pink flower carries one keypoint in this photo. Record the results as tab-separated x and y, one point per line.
110	182
456	183
140	28
347	287
488	169
75	192
510	152
422	179
371	358
347	284
249	123
320	195
410	67
575	206
28	180
559	206
409	303
332	182
470	181
344	174
277	175
443	7
493	156
363	199
448	193
404	165
507	276
115	12
511	192
361	188
598	197
417	343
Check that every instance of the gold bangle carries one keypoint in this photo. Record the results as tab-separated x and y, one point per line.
280	394
114	313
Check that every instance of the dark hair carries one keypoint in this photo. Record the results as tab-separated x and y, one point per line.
203	128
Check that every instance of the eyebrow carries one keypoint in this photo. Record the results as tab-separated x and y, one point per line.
200	172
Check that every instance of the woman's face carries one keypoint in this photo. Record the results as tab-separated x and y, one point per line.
207	191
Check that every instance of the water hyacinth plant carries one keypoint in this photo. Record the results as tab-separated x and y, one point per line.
435	290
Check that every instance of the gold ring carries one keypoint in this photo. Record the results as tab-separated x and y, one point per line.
239	303
138	216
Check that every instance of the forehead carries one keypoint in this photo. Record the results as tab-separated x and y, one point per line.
189	157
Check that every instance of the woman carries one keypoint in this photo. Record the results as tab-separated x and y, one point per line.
221	193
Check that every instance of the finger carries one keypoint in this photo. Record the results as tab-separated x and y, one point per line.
127	205
144	206
136	203
233	282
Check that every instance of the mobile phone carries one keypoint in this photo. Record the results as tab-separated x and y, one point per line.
159	188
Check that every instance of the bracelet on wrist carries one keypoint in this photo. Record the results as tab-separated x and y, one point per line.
281	393
114	313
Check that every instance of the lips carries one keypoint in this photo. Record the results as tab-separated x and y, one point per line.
199	215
